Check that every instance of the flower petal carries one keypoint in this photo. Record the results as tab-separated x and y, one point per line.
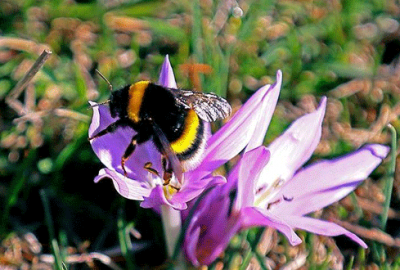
328	181
193	187
190	246
212	226
254	217
167	77
250	167
322	227
157	198
293	148
127	188
111	147
239	131
269	104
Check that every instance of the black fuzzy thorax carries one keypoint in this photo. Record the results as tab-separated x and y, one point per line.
159	104
119	101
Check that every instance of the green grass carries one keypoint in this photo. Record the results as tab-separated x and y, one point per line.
319	45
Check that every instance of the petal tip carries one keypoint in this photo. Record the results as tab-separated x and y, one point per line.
278	82
167	77
322	103
102	174
279	75
322	108
378	150
166	62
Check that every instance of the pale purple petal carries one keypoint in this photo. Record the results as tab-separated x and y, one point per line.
254	217
193	187
157	198
250	167
322	227
237	133
328	181
293	148
269	103
111	147
167	77
127	188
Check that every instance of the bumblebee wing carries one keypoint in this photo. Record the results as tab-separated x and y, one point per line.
208	106
167	151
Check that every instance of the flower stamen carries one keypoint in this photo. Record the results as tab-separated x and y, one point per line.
148	166
265	192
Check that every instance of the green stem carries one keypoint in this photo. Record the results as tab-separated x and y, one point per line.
124	240
246	260
389	178
54	245
261	260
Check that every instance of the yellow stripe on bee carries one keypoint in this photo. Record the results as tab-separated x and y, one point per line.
186	140
136	93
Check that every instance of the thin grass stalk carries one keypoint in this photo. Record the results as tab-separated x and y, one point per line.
124	241
54	244
390	178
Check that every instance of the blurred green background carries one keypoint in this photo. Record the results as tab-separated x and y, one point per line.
347	50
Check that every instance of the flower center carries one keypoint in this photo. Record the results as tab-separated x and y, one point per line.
170	183
170	191
171	186
264	193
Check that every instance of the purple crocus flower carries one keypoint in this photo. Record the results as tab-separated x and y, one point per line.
139	184
268	187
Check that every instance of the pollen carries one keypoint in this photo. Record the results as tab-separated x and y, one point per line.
169	191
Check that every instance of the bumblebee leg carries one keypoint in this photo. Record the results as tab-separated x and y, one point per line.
128	152
167	171
149	167
111	128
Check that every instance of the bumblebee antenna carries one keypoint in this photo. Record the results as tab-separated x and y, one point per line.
105	79
101	103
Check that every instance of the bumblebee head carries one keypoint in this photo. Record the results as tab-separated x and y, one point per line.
119	102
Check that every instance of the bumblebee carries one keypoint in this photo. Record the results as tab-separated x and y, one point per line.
173	118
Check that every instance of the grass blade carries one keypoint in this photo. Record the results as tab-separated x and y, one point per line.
390	178
54	244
